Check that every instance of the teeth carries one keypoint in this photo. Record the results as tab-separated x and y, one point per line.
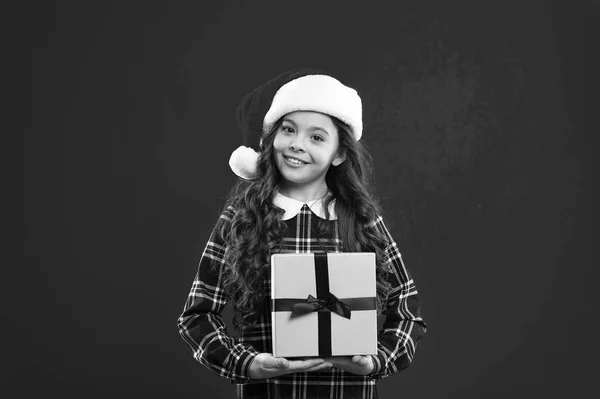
292	160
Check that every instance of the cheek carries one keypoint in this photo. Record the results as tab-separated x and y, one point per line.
278	143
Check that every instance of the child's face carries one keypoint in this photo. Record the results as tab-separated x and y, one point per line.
305	146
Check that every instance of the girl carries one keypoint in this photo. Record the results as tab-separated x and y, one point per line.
306	190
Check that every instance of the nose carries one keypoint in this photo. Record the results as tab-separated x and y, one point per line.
296	145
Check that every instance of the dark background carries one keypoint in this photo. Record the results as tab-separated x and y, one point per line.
474	113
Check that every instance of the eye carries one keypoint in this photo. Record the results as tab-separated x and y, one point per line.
318	137
287	129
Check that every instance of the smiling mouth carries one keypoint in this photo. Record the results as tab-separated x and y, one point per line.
295	161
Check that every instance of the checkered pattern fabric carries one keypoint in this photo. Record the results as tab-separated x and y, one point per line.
203	329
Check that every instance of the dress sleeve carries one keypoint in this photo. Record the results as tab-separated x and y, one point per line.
403	326
201	326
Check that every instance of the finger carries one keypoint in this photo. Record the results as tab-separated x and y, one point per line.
308	358
323	366
340	361
311	363
300	365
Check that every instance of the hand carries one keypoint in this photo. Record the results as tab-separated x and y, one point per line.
357	364
265	365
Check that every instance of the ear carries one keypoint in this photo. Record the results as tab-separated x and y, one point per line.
339	158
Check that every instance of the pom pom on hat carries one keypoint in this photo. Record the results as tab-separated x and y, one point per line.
296	90
243	162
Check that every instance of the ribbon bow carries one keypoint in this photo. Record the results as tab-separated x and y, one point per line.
313	304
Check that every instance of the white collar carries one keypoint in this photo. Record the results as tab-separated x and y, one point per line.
292	207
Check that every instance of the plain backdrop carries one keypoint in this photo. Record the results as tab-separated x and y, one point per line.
474	114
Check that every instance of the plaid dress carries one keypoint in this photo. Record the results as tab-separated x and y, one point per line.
203	329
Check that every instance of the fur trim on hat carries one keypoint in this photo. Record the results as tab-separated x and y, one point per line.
319	93
243	162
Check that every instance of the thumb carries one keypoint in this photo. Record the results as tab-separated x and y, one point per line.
276	362
358	359
281	362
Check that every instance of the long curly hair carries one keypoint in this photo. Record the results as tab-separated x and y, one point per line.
256	228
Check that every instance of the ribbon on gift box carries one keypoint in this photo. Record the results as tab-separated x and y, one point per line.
313	304
325	303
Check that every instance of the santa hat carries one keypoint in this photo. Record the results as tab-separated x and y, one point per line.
296	90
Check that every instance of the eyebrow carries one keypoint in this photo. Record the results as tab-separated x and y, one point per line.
313	128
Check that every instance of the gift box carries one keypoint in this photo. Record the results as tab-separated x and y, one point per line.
323	304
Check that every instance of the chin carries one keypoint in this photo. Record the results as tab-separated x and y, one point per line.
290	178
